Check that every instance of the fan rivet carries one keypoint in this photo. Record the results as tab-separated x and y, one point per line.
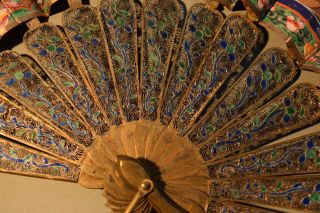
146	186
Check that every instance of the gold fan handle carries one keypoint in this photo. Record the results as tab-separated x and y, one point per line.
146	187
131	172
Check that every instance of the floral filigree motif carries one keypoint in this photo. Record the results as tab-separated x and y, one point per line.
295	109
83	29
160	22
302	192
292	157
233	42
22	126
119	21
52	52
21	82
16	159
201	26
272	71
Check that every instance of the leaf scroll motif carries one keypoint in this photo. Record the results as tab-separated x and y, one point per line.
118	19
17	159
53	53
195	42
160	22
295	109
272	71
234	41
20	81
83	29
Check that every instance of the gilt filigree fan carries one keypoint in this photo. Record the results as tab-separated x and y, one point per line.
167	109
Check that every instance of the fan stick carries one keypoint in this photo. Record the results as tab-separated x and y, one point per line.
20	125
44	77
82	27
53	54
296	156
159	26
272	72
178	37
25	161
297	108
196	40
223	205
119	21
23	84
235	39
291	192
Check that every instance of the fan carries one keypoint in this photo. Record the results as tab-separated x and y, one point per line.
167	110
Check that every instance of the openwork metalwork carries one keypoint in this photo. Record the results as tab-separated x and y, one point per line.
166	109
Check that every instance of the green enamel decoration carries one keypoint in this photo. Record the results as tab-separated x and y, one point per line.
76	90
154	57
210	128
235	193
124	13
207	32
19	75
120	21
12	151
256	121
51	48
117	58
311	154
54	39
207	73
122	70
231	49
291	110
302	112
86	34
62	142
181	65
67	84
277	76
198	34
161	25
34	135
51	111
182	78
27	157
279	186
39	104
315	197
263	188
267	76
317	161
153	100
76	124
12	65
241	44
94	27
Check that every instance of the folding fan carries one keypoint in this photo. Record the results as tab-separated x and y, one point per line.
165	109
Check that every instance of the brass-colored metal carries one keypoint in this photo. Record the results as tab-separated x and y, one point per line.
145	188
34	23
135	176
